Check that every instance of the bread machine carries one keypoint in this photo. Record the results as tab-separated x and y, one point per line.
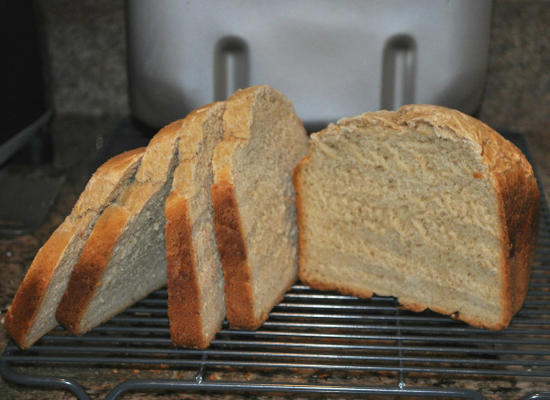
331	58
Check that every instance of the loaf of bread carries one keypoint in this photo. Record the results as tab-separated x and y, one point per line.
425	204
124	259
196	305
253	198
32	312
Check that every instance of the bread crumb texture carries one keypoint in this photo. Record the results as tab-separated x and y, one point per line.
417	204
253	198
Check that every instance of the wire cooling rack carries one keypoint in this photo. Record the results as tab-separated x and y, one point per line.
313	343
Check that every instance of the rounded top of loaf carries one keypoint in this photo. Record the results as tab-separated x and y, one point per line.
498	153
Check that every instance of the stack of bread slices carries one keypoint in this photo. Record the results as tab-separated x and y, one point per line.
207	207
424	204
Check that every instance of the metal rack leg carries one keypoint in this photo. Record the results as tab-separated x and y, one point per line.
48	382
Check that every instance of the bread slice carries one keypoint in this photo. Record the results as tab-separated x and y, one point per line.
124	258
196	306
253	198
425	204
32	312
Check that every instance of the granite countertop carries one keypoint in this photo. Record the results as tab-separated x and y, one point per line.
74	158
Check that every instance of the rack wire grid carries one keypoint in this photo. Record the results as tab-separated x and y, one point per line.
314	343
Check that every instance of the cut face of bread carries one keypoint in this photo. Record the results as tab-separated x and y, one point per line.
124	258
196	305
32	313
425	204
253	200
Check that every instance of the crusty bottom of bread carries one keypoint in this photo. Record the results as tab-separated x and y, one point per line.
21	319
414	306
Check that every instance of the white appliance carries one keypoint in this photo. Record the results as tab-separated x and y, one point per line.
331	58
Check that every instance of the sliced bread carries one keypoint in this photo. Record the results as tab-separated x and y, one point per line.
253	199
425	204
196	306
32	312
124	258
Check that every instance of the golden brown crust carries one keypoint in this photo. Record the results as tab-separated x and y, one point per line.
233	257
183	282
30	295
86	275
519	204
